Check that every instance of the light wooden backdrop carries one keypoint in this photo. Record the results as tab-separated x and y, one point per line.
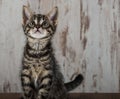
87	41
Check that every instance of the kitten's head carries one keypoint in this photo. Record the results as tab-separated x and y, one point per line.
39	26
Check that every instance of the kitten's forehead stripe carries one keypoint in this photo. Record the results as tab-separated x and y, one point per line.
41	21
36	20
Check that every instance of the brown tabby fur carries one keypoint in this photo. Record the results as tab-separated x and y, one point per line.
40	75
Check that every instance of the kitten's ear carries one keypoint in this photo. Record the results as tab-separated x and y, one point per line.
27	13
53	14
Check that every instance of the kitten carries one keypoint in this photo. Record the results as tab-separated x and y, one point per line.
40	74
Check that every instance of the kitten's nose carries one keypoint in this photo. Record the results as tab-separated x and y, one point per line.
37	27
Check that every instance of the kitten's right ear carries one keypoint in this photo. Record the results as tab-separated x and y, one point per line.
53	15
27	13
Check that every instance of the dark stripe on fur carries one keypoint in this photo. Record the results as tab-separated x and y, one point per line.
24	75
43	53
47	87
28	84
25	67
48	76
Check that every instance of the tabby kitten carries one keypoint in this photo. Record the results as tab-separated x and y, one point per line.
40	74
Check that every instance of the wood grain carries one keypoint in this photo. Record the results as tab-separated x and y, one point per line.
87	41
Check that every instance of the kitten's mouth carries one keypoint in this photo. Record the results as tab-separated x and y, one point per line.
37	31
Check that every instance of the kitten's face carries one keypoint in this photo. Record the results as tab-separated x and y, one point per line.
39	26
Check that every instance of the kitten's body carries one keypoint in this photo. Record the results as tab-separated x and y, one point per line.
41	77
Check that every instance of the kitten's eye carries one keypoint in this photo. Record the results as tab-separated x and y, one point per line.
45	24
31	24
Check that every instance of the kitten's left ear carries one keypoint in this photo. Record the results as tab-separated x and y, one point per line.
52	15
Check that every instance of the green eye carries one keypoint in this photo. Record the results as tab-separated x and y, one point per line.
45	24
31	24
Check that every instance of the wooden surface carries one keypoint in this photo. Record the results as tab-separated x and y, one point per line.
87	41
70	96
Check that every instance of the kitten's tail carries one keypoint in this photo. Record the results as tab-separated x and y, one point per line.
73	84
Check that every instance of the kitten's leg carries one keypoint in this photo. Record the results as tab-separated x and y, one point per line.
44	87
26	84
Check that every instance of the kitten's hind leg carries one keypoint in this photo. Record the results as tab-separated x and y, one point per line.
58	91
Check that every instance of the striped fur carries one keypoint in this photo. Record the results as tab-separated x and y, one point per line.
40	74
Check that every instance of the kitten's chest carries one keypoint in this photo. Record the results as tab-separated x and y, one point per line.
37	65
37	71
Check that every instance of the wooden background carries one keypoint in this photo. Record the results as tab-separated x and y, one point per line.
87	41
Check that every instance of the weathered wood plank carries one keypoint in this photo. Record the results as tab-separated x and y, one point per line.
87	41
118	44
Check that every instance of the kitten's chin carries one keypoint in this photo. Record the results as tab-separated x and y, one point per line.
38	35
